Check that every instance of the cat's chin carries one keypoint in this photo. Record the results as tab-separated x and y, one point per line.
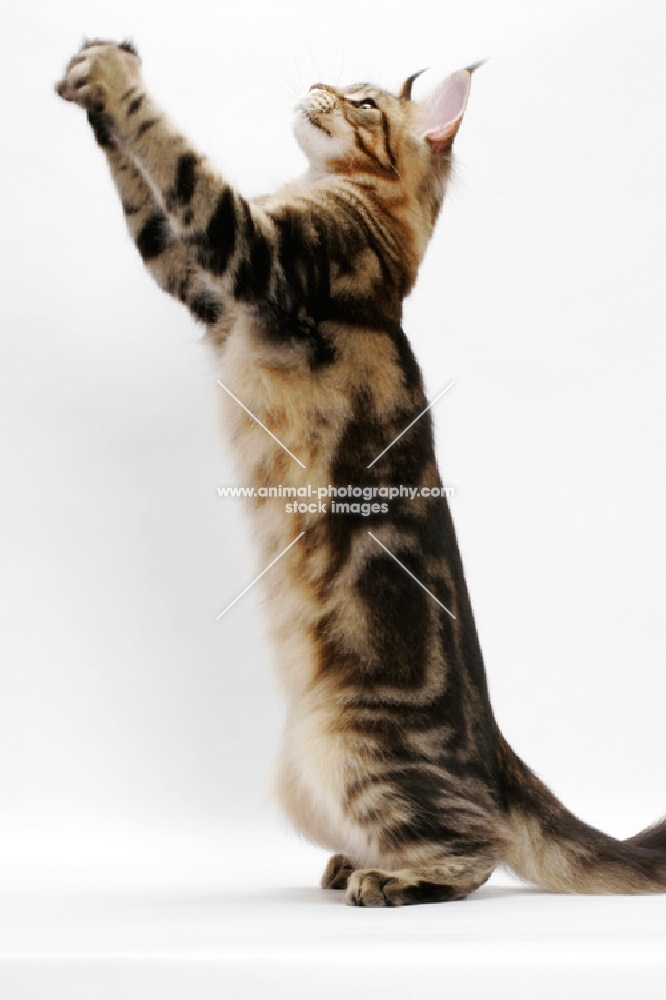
318	145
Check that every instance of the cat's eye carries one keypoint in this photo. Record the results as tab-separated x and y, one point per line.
367	104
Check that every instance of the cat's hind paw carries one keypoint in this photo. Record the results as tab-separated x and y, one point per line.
337	872
367	888
371	887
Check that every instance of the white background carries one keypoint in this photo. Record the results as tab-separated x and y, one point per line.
135	727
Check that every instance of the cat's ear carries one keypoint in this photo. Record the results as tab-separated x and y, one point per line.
441	113
406	89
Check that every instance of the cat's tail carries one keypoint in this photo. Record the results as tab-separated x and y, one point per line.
549	847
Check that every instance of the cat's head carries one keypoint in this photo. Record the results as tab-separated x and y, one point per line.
368	130
398	148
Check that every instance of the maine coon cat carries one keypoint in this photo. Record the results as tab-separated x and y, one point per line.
391	757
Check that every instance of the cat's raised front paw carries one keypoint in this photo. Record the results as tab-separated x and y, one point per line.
99	75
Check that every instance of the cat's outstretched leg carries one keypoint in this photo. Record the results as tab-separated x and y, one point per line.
225	237
337	872
105	78
443	881
170	258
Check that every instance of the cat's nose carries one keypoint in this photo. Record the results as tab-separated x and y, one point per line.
322	97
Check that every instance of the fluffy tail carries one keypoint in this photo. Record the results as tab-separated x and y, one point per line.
554	850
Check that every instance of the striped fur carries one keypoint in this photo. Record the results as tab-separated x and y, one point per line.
391	755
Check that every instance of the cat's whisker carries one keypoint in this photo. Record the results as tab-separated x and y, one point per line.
301	86
294	91
314	69
339	74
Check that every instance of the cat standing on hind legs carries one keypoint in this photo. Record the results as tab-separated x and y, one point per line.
391	756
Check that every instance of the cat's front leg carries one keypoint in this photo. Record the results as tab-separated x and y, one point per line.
105	79
227	243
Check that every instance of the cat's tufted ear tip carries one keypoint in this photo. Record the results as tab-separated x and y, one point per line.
406	89
474	66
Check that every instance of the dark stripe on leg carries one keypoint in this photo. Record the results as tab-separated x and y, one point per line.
144	126
102	124
185	179
206	307
254	270
219	239
153	239
134	105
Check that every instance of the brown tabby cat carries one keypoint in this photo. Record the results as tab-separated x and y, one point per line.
391	754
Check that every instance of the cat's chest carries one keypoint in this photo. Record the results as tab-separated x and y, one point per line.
283	421
273	420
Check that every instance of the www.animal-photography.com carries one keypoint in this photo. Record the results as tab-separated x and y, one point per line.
333	557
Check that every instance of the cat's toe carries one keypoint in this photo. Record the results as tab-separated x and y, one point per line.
97	71
337	872
77	76
80	85
368	888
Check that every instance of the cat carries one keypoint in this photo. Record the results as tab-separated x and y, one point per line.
391	757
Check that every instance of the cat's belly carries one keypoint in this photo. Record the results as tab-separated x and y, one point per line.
316	768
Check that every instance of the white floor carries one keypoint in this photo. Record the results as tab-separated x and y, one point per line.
251	922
